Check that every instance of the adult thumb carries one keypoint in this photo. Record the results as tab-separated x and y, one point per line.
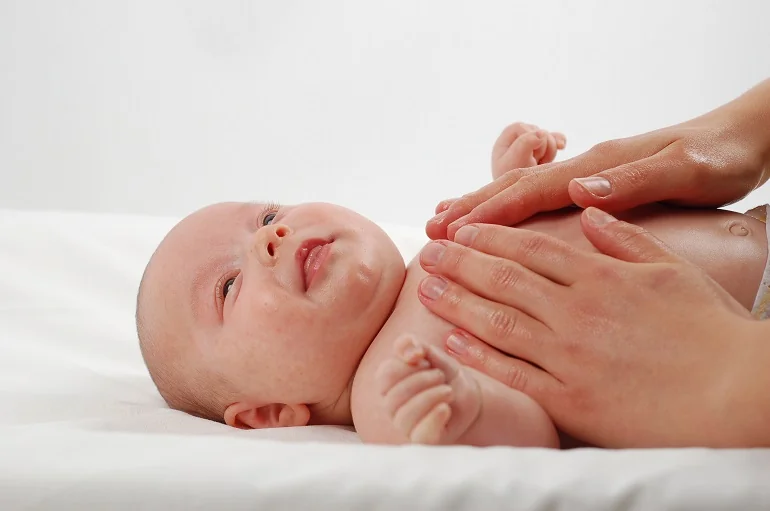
622	240
653	179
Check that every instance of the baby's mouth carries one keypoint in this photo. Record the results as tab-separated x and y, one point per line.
311	256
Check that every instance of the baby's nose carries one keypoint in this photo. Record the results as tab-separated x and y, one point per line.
267	242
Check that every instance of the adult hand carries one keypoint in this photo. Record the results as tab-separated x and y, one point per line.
634	348
712	160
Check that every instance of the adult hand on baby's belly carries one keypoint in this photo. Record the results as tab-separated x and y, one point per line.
634	351
712	160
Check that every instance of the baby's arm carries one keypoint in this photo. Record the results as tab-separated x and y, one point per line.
432	399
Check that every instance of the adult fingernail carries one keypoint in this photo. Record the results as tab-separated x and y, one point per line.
599	218
433	287
460	222
431	253
438	218
466	234
595	185
457	345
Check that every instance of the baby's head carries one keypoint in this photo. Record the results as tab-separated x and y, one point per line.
258	315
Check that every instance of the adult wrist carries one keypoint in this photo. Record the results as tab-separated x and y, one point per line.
747	397
750	118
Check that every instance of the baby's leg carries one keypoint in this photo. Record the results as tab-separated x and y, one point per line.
732	248
522	145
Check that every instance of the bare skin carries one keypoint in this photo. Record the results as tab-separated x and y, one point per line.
709	161
336	351
730	247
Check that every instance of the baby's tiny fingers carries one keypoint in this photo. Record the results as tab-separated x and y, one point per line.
410	386
429	429
391	372
446	364
410	352
413	411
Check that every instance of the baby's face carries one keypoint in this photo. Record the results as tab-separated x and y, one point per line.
281	301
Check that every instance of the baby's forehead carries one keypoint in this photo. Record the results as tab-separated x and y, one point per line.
197	242
206	227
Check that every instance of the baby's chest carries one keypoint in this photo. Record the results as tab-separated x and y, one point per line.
409	317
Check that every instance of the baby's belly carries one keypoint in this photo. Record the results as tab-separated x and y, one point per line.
730	247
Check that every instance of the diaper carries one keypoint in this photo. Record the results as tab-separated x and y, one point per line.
761	309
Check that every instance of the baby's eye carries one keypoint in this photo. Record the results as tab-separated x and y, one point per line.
268	219
227	286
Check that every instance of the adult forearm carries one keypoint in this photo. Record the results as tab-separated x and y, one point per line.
748	411
751	118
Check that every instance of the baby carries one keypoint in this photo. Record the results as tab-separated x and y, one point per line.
259	316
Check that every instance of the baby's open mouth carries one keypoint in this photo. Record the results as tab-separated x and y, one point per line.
311	256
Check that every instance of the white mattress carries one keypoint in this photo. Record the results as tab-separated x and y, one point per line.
81	425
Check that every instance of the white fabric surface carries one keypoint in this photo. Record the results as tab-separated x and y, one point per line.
82	427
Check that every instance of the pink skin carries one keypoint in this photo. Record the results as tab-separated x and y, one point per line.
308	288
299	313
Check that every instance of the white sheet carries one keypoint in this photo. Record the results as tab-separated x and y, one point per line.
81	425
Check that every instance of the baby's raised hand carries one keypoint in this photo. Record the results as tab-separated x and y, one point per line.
523	145
429	396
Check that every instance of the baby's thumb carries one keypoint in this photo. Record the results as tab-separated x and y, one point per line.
629	185
622	240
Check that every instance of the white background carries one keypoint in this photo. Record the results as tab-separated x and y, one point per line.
387	107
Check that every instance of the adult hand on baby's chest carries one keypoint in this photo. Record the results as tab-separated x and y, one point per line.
621	353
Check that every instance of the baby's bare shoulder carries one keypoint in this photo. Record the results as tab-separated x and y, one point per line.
409	317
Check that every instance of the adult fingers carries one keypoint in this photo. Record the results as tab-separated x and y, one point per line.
622	240
436	227
515	373
507	328
537	189
543	254
656	178
444	205
494	278
545	188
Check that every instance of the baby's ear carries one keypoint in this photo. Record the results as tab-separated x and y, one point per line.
247	415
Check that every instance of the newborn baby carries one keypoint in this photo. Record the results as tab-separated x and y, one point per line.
259	315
